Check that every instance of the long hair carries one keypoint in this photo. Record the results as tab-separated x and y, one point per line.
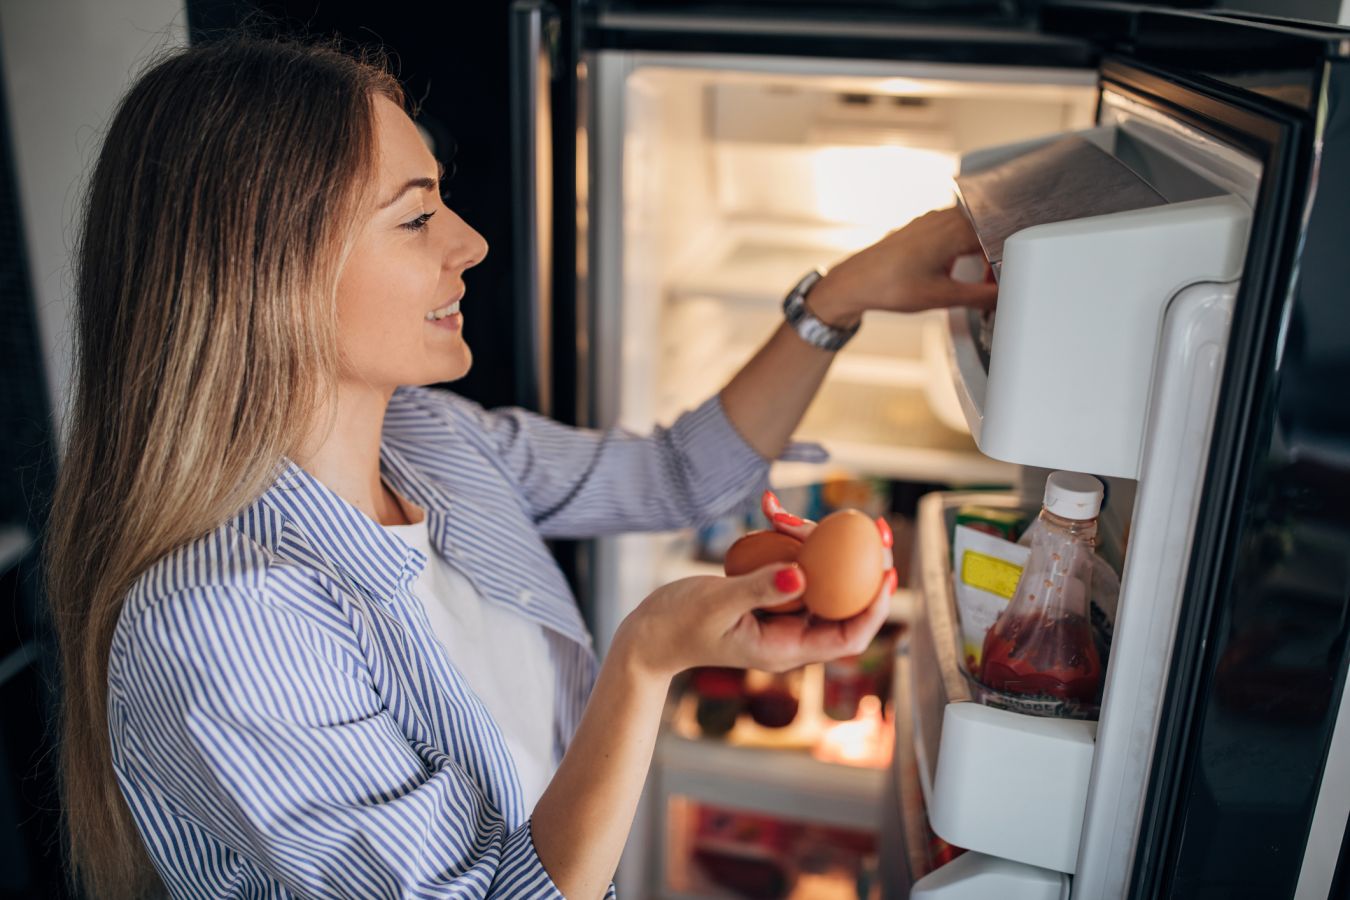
220	210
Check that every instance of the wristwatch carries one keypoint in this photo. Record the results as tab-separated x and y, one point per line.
808	327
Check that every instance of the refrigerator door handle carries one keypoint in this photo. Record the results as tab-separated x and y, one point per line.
534	31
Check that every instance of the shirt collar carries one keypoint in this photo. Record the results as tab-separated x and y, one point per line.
374	559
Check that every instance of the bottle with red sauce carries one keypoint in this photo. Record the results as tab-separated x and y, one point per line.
1042	644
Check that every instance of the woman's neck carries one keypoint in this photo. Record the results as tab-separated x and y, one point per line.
343	452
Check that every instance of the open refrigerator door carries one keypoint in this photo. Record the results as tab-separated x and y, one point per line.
1048	806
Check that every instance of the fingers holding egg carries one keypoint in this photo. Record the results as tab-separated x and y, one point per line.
782	520
844	559
761	548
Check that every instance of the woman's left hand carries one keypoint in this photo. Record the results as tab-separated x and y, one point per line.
906	271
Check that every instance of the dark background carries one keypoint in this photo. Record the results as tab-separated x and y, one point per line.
458	72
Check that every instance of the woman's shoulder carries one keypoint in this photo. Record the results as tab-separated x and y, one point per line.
238	561
227	613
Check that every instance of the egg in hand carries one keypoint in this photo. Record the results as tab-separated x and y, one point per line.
843	560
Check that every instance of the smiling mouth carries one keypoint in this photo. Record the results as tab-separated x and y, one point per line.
448	310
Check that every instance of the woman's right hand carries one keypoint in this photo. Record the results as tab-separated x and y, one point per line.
710	621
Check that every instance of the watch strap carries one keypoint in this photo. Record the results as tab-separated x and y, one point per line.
808	327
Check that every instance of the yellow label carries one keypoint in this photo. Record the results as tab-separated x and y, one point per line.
989	573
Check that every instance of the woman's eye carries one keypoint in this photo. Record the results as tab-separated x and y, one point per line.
420	222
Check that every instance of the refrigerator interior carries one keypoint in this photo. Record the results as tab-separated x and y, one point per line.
716	183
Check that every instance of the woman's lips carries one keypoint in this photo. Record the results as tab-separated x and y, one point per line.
447	317
449	309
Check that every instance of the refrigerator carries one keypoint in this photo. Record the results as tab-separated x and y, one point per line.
1163	197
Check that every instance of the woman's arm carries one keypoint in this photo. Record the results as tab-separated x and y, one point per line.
582	820
906	271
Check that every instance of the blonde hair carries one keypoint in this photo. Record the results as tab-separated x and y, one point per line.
222	205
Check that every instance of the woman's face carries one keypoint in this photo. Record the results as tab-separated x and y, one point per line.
405	270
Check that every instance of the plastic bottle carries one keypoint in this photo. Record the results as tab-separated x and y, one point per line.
1042	644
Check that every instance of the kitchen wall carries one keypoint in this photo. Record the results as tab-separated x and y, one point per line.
66	63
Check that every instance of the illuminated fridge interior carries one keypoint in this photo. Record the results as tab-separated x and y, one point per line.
714	185
716	189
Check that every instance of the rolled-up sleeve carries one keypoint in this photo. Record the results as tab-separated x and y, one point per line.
581	482
253	726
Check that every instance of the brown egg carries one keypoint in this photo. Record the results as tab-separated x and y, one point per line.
761	548
842	560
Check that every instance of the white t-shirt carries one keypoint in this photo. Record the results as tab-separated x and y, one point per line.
501	654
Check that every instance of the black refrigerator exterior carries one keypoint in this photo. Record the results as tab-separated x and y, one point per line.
1276	492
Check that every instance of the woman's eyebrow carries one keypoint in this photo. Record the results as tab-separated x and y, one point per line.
426	184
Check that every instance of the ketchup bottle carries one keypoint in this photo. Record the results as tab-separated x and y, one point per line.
1042	643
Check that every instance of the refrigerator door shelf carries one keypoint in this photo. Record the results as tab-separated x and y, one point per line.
1081	304
993	781
1011	785
935	639
974	876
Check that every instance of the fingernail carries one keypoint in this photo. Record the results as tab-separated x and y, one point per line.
789	580
785	518
772	498
888	583
887	539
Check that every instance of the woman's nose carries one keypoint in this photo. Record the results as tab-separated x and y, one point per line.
467	247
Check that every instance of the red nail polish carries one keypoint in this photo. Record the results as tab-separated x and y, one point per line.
784	518
887	538
789	580
888	583
774	504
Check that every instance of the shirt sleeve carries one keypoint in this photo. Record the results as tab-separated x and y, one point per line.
244	720
581	482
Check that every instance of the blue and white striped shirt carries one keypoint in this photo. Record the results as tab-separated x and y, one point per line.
283	720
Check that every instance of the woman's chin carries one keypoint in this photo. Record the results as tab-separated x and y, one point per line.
459	368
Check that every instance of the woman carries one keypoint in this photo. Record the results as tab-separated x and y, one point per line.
268	689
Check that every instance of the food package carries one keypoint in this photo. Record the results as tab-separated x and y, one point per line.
986	569
1004	523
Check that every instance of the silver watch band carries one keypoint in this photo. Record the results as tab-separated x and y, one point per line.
808	327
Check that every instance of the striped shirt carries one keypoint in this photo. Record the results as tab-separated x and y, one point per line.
283	720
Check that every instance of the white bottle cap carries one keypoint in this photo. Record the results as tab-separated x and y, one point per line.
1073	495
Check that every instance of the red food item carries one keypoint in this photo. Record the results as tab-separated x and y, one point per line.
718	682
1075	674
773	707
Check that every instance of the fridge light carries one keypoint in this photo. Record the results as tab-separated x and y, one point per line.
866	740
884	185
902	86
